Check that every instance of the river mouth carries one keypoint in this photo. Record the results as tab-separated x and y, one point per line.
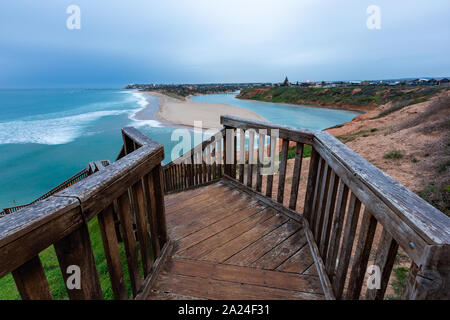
49	135
315	118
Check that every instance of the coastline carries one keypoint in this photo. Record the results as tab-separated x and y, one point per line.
343	107
185	112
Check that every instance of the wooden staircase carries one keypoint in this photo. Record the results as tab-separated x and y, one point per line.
220	223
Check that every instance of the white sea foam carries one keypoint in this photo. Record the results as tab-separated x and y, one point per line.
143	103
62	129
50	131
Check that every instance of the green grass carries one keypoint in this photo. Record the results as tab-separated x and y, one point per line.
8	290
394	154
307	150
399	282
438	195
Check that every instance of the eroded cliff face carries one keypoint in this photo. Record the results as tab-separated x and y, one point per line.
364	98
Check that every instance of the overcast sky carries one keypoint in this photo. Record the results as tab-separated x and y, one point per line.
200	41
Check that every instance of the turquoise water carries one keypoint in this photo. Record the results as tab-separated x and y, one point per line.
47	135
285	114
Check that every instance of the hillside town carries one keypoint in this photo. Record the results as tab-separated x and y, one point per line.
184	90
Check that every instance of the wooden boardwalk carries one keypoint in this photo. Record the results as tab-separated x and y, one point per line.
228	245
207	226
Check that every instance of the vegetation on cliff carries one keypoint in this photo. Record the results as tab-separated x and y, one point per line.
357	96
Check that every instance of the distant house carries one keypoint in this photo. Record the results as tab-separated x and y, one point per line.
444	82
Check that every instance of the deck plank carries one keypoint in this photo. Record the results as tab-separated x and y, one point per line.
282	252
222	253
229	245
257	249
299	262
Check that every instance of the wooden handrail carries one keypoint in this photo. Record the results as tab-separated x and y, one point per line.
130	188
188	171
340	183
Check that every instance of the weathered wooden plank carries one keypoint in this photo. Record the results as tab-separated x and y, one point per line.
272	155
158	265
31	281
201	217
261	145
75	250
234	167
223	290
318	263
385	258
151	213
316	195
225	251
219	157
311	184
241	155
347	245
203	248
283	167
160	208
226	150
322	204
140	206
128	143
296	175
138	137
236	216
338	223
112	254
299	262
25	234
362	254
257	249
97	191
244	275
432	280
282	252
328	216
251	157
129	242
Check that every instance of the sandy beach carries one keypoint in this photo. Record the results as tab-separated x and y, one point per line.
185	112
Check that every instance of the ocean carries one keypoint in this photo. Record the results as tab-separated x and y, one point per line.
48	135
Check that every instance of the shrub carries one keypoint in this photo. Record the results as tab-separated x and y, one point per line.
438	195
394	154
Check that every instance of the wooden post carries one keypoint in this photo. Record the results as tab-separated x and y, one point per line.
160	208
312	176
75	250
31	281
112	254
431	280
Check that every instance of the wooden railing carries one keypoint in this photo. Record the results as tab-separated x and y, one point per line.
91	168
201	165
354	215
340	184
131	189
